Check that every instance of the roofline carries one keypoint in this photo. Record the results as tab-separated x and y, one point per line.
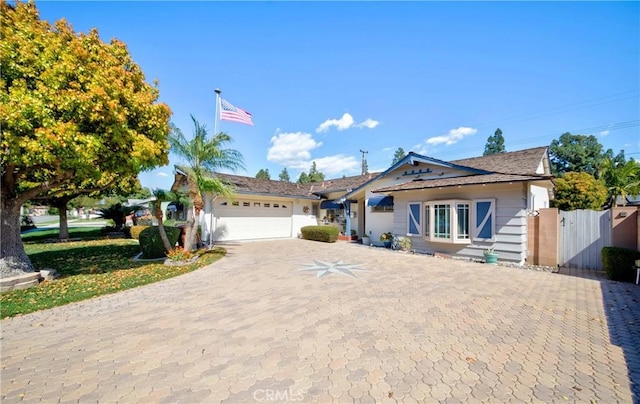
426	159
545	178
277	195
412	156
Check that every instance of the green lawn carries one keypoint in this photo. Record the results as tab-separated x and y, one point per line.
88	269
85	233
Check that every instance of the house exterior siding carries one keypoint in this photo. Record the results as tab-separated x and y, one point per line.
510	220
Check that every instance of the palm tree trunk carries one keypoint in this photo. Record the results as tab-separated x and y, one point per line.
157	212
194	211
191	229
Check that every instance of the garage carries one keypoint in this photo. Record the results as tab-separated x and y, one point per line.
247	219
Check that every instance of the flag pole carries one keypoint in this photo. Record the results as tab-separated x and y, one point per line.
213	198
215	124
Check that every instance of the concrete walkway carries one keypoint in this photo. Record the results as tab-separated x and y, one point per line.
261	326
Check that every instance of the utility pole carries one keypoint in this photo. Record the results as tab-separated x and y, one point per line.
364	162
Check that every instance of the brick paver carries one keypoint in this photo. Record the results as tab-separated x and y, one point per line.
254	328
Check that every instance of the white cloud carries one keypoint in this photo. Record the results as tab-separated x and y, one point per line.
341	124
604	133
338	164
292	149
454	136
368	123
162	174
421	149
345	123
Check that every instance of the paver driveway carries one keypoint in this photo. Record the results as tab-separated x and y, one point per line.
261	326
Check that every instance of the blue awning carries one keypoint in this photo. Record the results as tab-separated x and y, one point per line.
327	204
380	200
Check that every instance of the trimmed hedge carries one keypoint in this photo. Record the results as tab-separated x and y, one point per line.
136	230
328	234
151	242
618	263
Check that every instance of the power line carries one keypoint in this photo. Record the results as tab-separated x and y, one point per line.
585	131
564	108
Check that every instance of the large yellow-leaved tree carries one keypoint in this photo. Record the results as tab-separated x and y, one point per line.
74	112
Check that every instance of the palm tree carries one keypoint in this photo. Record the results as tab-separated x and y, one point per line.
621	179
204	157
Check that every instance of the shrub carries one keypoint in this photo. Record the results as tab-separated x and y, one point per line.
127	231
328	234
404	243
618	263
136	230
151	243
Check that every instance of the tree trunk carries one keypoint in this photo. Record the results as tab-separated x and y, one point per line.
157	210
13	259
62	213
189	236
194	212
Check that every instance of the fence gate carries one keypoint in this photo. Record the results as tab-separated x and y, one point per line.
583	233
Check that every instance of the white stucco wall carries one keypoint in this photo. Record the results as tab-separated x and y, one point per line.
538	197
301	219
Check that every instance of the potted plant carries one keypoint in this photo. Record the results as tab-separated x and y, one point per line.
490	256
366	240
386	239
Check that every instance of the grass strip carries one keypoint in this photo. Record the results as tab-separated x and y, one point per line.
88	269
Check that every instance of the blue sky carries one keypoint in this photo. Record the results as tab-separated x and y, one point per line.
324	80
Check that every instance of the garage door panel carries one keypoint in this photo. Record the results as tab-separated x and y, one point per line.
252	212
252	220
248	228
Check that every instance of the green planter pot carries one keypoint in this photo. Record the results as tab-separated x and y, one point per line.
491	258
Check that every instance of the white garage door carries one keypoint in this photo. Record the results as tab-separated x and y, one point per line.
249	220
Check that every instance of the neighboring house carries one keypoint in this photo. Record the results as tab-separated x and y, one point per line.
628	201
263	208
459	207
38	210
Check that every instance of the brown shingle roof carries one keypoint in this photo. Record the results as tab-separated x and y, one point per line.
518	162
455	181
251	185
514	166
341	184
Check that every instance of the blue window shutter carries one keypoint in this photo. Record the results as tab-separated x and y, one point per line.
484	224
414	224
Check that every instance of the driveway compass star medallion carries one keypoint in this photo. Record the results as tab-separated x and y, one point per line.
322	268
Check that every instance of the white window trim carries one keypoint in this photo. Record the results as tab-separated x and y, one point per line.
453	220
492	213
418	224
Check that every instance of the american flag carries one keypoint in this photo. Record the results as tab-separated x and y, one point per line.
230	113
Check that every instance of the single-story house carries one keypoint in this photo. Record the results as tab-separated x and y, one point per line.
459	207
264	208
